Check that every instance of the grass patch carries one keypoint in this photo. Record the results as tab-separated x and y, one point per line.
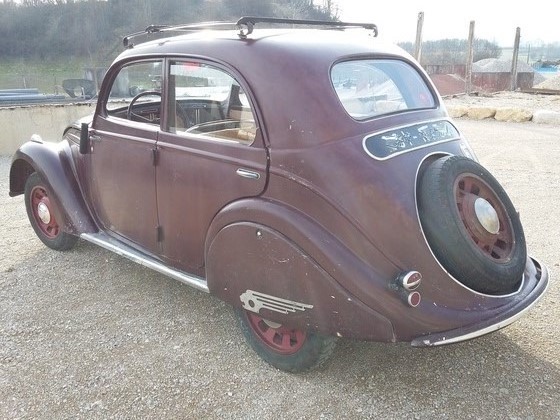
45	75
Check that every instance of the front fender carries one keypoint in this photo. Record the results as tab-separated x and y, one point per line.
52	161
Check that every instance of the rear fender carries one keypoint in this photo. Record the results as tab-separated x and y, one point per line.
255	266
52	161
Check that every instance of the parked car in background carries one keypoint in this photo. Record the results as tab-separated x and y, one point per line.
310	177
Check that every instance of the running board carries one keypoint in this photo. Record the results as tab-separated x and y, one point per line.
119	248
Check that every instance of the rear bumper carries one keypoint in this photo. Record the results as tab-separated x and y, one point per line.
493	324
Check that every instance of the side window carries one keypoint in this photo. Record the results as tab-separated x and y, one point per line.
136	93
207	101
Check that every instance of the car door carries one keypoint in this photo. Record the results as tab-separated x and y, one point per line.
210	153
121	172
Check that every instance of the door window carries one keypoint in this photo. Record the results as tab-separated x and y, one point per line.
206	101
136	93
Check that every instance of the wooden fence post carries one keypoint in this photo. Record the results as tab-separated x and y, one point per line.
470	55
515	58
418	46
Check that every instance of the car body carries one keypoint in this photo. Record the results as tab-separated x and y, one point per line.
310	177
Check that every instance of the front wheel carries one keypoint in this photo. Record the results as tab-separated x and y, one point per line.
40	207
288	349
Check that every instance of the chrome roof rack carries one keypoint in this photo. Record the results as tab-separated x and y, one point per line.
250	21
245	25
154	29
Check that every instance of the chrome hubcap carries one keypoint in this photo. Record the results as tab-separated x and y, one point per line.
271	324
44	213
487	216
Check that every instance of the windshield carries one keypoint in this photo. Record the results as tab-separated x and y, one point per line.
369	88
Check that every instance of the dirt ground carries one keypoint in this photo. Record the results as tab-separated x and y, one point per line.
88	334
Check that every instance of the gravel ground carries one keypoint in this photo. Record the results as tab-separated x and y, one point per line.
532	102
87	334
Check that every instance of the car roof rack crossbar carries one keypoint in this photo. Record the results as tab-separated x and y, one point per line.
245	25
250	21
154	29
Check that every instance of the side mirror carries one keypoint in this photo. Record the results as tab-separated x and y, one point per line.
84	139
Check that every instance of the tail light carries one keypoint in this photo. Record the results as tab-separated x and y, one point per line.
407	283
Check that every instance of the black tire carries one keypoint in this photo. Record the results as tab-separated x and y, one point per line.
309	351
471	225
41	209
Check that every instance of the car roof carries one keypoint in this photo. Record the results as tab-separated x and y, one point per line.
331	43
287	72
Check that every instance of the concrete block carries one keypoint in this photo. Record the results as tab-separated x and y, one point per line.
513	115
19	123
457	111
546	117
481	113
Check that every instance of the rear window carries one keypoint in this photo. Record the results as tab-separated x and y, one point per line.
369	88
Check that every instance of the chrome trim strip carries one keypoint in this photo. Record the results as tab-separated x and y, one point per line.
119	248
255	301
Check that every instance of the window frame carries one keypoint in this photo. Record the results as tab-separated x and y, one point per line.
110	113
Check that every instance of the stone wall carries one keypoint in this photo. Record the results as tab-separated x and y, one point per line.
18	124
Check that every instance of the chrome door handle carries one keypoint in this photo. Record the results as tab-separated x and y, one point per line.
245	173
94	137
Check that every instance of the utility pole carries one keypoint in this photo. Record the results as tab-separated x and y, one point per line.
514	59
470	55
418	46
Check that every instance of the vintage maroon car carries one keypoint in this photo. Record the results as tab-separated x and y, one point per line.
312	178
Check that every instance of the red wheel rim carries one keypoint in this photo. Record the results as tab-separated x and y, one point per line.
497	244
276	337
41	208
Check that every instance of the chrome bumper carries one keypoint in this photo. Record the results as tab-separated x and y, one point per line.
493	324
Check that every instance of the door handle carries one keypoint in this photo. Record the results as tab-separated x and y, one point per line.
245	173
94	137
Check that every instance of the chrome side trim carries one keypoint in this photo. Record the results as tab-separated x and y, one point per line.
255	301
119	248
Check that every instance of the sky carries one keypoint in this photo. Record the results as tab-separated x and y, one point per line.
494	20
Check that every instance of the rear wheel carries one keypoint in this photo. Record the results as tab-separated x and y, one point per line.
285	348
41	211
471	225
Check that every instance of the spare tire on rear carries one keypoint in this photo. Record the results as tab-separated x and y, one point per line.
471	225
